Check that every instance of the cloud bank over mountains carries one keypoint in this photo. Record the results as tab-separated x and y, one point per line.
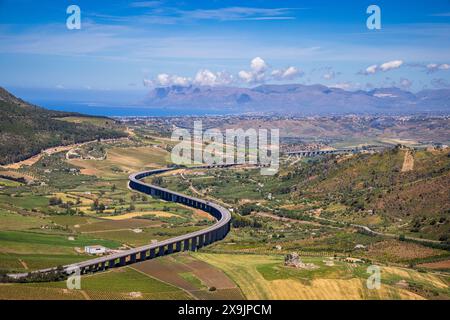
259	72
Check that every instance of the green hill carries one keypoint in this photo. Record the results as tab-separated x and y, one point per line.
416	199
25	129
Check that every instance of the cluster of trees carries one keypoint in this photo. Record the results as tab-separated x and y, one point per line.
248	208
54	201
238	221
57	275
98	206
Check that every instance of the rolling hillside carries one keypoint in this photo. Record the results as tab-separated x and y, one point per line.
413	192
26	129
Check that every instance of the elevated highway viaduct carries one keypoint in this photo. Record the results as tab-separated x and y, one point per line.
187	242
313	153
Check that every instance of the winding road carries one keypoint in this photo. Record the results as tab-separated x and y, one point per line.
188	242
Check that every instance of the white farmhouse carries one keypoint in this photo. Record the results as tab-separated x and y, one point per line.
95	249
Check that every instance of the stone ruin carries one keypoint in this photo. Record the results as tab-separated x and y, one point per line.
293	260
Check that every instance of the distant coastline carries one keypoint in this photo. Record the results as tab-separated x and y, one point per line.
125	111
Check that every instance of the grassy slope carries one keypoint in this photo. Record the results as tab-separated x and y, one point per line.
26	129
377	182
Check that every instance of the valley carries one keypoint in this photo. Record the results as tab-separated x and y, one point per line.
341	213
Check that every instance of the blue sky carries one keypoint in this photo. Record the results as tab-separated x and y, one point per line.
133	46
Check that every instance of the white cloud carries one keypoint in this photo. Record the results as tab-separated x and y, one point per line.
372	69
246	76
236	13
148	83
435	67
387	66
181	81
208	78
258	65
391	65
203	77
342	85
289	73
163	79
259	72
166	80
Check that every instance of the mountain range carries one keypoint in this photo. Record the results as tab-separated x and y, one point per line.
300	99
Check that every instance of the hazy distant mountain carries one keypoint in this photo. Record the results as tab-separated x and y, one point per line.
299	99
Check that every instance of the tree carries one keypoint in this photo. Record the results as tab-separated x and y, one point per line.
54	201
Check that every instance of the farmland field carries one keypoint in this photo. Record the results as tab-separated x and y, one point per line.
120	284
265	277
123	161
192	275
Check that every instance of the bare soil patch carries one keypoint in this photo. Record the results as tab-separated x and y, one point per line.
408	162
436	265
166	271
209	275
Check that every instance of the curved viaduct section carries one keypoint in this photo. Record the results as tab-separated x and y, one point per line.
187	242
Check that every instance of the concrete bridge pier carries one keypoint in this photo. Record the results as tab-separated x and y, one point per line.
112	263
200	241
170	248
161	251
89	269
152	253
207	238
186	245
143	256
219	234
178	246
122	261
194	244
132	258
102	266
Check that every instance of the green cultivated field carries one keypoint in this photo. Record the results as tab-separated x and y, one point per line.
124	283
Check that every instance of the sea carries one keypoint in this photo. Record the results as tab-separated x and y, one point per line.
96	109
